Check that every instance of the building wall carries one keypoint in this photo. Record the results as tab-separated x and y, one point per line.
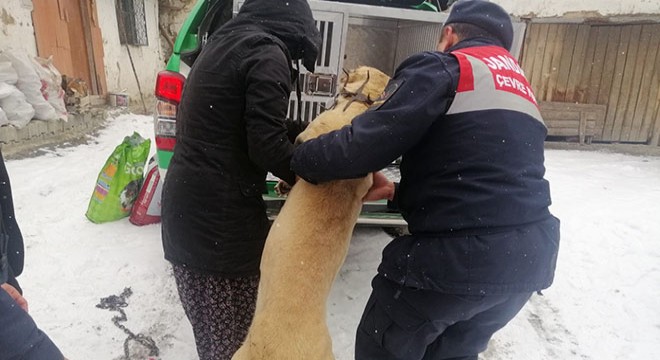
16	29
17	32
172	14
147	59
616	65
550	8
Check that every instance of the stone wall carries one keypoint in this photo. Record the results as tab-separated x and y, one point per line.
39	133
16	30
171	14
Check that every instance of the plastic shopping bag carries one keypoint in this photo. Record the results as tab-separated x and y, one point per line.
146	209
119	181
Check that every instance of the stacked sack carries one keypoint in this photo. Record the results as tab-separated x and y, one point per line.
13	103
29	89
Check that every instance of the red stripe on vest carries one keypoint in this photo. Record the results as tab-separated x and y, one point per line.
507	74
466	76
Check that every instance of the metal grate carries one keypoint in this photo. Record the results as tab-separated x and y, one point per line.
325	28
132	22
309	110
415	38
330	26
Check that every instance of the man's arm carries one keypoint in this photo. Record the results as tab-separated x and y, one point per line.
18	298
15	246
20	338
420	92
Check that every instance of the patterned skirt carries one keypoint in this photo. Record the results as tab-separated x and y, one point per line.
220	310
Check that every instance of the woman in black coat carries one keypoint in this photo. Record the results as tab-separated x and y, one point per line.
230	132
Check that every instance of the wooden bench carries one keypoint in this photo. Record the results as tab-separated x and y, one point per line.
570	119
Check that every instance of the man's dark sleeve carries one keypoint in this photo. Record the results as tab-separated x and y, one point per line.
418	95
4	263
9	226
20	338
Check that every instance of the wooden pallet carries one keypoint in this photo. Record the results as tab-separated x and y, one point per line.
570	119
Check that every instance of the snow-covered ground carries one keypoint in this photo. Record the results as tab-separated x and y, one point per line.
604	303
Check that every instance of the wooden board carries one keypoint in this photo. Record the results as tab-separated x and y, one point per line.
616	77
553	37
587	65
640	41
60	31
646	98
603	40
612	64
574	86
625	92
539	51
560	88
555	58
51	34
655	139
94	41
654	115
527	51
569	119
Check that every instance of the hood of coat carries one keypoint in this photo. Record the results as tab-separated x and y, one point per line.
289	20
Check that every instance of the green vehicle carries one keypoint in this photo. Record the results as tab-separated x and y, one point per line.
349	31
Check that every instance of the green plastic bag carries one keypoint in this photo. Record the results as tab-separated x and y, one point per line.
118	183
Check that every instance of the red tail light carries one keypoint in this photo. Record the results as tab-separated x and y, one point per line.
169	86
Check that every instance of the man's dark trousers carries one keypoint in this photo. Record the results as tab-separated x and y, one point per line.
401	323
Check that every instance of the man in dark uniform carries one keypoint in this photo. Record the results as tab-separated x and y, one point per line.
230	132
20	338
468	128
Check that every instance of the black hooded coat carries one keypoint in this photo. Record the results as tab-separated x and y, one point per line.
230	132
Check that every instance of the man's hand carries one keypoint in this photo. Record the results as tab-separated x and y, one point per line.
20	300
381	188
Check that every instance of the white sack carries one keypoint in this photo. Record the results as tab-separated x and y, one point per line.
51	81
6	90
19	112
7	72
29	84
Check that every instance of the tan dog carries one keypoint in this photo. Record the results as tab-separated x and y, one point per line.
307	244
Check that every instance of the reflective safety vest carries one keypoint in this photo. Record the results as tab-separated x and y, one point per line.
490	78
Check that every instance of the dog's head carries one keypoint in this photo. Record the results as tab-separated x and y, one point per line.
365	80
